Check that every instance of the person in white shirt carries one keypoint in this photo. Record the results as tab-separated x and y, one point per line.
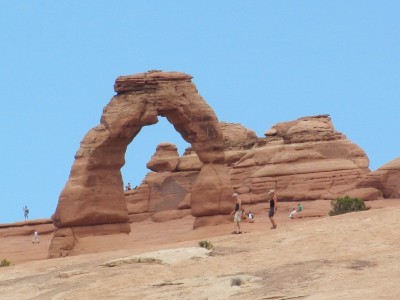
250	215
292	213
35	238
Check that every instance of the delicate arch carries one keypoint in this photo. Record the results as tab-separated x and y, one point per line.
94	193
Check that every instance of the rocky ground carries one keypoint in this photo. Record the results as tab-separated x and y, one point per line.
352	256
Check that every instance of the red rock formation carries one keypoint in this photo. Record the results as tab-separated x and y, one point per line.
28	227
237	134
165	159
94	192
304	159
64	239
386	180
390	173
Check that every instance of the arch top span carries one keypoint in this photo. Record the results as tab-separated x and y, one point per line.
94	193
147	81
145	96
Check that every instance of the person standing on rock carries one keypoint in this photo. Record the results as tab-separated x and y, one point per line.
237	212
26	212
273	206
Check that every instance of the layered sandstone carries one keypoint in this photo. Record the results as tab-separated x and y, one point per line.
304	159
165	159
27	227
94	196
386	180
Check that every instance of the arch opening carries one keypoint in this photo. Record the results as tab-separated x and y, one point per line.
144	145
94	196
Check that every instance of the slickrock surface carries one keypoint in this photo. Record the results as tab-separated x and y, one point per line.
352	256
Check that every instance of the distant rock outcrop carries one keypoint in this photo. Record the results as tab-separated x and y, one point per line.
386	180
94	195
305	159
165	159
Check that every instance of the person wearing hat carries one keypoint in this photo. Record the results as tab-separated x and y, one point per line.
237	212
273	206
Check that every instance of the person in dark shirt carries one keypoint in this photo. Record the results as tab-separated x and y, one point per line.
26	212
237	212
273	206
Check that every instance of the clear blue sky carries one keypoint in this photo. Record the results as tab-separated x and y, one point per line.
255	62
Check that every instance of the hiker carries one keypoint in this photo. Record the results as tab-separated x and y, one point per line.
299	207
250	215
35	238
237	212
128	187
292	213
26	212
273	206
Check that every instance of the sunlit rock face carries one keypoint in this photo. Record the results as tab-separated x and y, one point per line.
94	192
170	189
165	159
385	179
304	159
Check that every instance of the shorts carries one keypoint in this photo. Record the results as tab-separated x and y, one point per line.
238	216
271	212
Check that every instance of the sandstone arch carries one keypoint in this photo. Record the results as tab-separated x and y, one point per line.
94	193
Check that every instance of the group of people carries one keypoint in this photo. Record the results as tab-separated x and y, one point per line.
238	211
294	211
35	239
128	187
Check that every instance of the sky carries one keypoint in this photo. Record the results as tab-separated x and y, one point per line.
257	63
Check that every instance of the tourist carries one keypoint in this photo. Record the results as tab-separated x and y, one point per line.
128	187
26	212
292	213
251	217
35	238
299	207
273	206
237	212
